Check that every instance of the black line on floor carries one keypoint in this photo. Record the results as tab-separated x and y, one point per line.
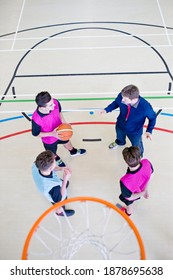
91	74
92	140
158	112
77	29
26	116
13	92
87	22
169	88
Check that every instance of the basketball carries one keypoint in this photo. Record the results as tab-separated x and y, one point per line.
65	131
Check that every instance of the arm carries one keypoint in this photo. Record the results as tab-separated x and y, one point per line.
36	131
112	106
151	115
48	134
127	194
58	192
135	196
66	175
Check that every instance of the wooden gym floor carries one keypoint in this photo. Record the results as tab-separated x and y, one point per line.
84	53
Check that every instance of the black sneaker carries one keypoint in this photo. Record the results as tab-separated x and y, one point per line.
68	212
60	163
79	152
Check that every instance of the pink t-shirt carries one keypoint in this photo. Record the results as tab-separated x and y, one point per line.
137	182
49	122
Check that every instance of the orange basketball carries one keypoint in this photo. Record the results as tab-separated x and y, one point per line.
65	131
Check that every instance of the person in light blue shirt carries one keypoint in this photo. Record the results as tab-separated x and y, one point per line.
47	181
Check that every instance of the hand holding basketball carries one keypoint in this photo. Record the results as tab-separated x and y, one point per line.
64	131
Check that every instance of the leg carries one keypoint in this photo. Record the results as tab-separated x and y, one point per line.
129	209
73	151
136	140
53	148
62	211
121	136
68	146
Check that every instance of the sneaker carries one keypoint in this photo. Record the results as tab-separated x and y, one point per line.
68	213
123	209
79	152
127	213
60	163
113	146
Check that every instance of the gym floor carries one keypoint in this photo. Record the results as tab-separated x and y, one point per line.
84	53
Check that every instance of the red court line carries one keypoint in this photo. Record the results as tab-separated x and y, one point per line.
14	134
80	123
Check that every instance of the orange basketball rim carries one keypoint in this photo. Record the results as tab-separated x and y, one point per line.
83	200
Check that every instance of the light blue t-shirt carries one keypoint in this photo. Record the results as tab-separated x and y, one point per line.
44	184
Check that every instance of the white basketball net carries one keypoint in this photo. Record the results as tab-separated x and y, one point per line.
95	231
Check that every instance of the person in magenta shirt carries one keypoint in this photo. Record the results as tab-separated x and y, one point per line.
45	120
134	184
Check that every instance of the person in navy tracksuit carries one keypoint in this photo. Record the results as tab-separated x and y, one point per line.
134	110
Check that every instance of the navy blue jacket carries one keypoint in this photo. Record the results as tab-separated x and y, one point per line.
138	114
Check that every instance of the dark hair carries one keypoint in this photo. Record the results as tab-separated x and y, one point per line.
44	160
132	156
130	91
43	98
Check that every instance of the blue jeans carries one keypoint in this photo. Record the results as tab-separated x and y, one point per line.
135	139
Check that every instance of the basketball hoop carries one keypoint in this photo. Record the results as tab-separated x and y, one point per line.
97	230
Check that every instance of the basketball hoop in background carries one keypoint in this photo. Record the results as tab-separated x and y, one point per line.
97	230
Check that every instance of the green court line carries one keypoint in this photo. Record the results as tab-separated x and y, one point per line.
83	99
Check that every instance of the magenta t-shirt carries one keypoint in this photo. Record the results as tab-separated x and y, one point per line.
49	122
137	182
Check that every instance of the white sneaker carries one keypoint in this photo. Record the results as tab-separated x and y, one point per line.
113	146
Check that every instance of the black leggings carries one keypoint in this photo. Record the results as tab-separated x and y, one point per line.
54	146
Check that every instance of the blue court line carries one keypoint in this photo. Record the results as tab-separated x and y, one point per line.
167	114
13	118
21	117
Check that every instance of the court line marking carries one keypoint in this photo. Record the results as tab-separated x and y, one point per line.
83	99
96	93
87	48
81	123
78	110
17	29
87	22
86	28
85	36
163	21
